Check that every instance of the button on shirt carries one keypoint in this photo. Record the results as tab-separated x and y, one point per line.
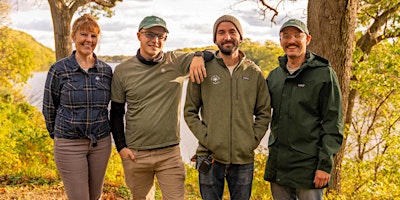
75	103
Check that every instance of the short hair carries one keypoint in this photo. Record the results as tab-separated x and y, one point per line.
85	22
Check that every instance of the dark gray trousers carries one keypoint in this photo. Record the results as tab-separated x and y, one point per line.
81	166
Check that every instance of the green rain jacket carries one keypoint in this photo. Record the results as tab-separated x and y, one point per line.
229	114
307	122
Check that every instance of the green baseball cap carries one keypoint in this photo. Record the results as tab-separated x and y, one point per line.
151	21
295	23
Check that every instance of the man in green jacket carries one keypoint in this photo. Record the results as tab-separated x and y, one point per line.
307	120
234	106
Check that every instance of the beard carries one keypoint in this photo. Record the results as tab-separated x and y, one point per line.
228	51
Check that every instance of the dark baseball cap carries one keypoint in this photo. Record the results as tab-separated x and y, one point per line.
151	21
295	23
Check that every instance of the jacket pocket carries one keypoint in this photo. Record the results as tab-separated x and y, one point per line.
71	93
310	149
102	93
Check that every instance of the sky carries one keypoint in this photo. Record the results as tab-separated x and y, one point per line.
190	22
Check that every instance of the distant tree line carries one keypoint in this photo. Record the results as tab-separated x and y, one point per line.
264	55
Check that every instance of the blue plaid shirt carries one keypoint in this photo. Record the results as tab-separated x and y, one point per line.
75	102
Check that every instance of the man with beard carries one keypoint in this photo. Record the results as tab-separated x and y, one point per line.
228	113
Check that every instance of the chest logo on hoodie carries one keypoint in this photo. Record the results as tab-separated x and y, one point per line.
215	79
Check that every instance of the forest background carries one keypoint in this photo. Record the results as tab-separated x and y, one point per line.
366	168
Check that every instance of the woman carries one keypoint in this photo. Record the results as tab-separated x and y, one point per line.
75	107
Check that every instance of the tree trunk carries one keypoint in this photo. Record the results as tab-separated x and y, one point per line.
62	12
61	25
332	26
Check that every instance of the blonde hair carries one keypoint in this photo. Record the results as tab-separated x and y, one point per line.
85	22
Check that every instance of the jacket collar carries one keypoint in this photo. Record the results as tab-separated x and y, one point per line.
242	56
75	65
149	62
312	60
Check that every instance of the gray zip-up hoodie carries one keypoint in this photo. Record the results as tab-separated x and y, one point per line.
229	114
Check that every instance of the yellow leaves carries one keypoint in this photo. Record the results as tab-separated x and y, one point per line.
371	167
20	55
265	56
25	142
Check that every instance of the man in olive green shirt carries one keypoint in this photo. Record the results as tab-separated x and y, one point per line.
150	84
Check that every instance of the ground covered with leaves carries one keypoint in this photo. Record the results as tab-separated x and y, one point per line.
22	188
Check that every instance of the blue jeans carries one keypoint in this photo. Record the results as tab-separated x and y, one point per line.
280	192
238	177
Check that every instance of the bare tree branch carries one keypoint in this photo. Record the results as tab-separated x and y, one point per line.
110	3
268	7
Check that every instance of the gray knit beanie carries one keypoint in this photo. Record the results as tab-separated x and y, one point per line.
228	18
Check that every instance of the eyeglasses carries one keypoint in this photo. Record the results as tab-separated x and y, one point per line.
150	35
296	36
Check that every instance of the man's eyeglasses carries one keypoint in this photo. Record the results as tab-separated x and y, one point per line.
296	36
150	35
